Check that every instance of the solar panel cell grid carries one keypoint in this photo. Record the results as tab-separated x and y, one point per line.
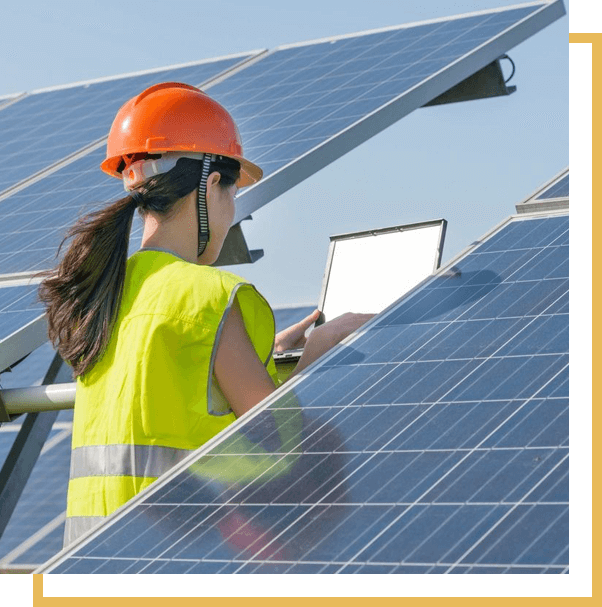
43	498
37	218
39	130
18	306
559	189
40	550
451	457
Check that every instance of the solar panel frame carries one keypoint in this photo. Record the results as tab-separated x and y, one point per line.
6	100
247	421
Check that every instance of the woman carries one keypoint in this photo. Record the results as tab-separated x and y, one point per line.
167	351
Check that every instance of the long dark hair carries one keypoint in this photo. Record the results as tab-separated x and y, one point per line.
83	294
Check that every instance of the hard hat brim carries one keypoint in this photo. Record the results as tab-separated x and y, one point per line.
250	173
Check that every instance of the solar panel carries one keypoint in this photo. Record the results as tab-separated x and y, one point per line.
552	196
36	219
436	441
34	551
30	371
35	531
46	126
559	189
40	511
298	108
302	106
32	535
17	305
22	326
6	100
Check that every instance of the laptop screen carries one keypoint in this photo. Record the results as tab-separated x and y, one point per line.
368	271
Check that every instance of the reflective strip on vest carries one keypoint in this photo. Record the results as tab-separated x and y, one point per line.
124	460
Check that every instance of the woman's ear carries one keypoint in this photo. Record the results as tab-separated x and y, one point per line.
212	181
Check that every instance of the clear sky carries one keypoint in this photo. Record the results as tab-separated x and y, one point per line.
469	163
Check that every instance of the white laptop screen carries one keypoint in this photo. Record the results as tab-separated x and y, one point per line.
368	271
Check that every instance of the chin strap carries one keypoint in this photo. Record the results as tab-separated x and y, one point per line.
204	234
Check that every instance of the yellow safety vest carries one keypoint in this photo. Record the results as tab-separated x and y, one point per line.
150	398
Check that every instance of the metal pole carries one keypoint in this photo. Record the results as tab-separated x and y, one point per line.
38	398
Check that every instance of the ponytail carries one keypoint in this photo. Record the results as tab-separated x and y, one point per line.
83	294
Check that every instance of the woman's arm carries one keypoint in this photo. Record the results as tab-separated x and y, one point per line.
327	336
239	372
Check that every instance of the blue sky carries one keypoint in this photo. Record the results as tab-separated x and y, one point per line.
469	163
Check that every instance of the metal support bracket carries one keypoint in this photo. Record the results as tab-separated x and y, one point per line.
235	250
487	82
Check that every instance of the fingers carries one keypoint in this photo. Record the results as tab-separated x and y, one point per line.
293	336
308	320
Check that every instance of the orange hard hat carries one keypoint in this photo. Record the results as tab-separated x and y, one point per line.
174	117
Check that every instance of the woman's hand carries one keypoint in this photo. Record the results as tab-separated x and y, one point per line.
328	335
294	337
331	333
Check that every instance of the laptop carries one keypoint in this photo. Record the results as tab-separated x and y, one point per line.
367	271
